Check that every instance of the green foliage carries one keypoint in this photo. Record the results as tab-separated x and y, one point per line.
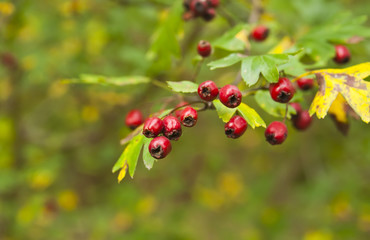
114	81
229	41
223	112
183	86
271	107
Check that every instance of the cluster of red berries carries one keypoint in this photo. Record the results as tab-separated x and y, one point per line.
200	8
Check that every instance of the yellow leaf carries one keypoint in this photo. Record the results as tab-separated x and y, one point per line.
282	46
338	109
349	83
122	173
243	36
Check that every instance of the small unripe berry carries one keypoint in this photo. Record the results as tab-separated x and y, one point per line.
213	3
178	112
276	133
305	83
134	119
282	91
235	127
260	33
172	128
208	91
302	121
230	96
189	117
160	147
152	127
209	14
204	48
342	54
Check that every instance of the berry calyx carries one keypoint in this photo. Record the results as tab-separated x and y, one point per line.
276	133
208	91
152	127
134	118
235	127
189	117
342	54
282	91
305	83
302	121
204	48
260	33
160	147
230	96
172	128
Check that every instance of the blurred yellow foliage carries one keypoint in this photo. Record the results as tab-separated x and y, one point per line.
364	222
96	37
146	205
73	7
57	89
6	9
122	221
41	179
90	113
68	200
28	62
318	235
230	185
341	208
5	89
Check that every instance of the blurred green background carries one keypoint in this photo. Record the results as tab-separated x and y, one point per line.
58	142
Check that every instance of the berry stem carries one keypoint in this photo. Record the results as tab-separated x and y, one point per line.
286	112
189	104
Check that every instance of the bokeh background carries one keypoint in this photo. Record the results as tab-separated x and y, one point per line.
58	142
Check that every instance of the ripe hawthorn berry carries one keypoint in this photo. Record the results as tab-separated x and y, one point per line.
342	54
230	96
260	33
178	112
235	127
302	121
208	91
297	108
172	128
160	147
209	14
134	118
282	91
305	83
204	48
276	133
199	7
152	127
189	117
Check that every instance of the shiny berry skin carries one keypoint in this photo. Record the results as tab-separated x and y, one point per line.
152	127
189	117
209	14
302	121
213	3
260	33
276	133
204	48
178	112
297	108
235	127
199	7
230	96
208	91
134	119
342	54
305	83
160	147
172	128
282	91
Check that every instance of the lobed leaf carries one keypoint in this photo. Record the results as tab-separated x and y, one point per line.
226	61
231	40
252	117
223	112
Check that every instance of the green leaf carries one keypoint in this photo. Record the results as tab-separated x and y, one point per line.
229	40
103	80
252	117
226	61
183	86
147	158
266	65
273	108
130	155
224	112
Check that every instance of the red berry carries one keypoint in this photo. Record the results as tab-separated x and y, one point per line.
342	54
198	7
282	91
209	14
260	33
305	83
235	127
189	117
172	128
152	127
230	96
297	108
178	112
208	90
134	119
276	133
160	147
213	3
204	48
302	121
